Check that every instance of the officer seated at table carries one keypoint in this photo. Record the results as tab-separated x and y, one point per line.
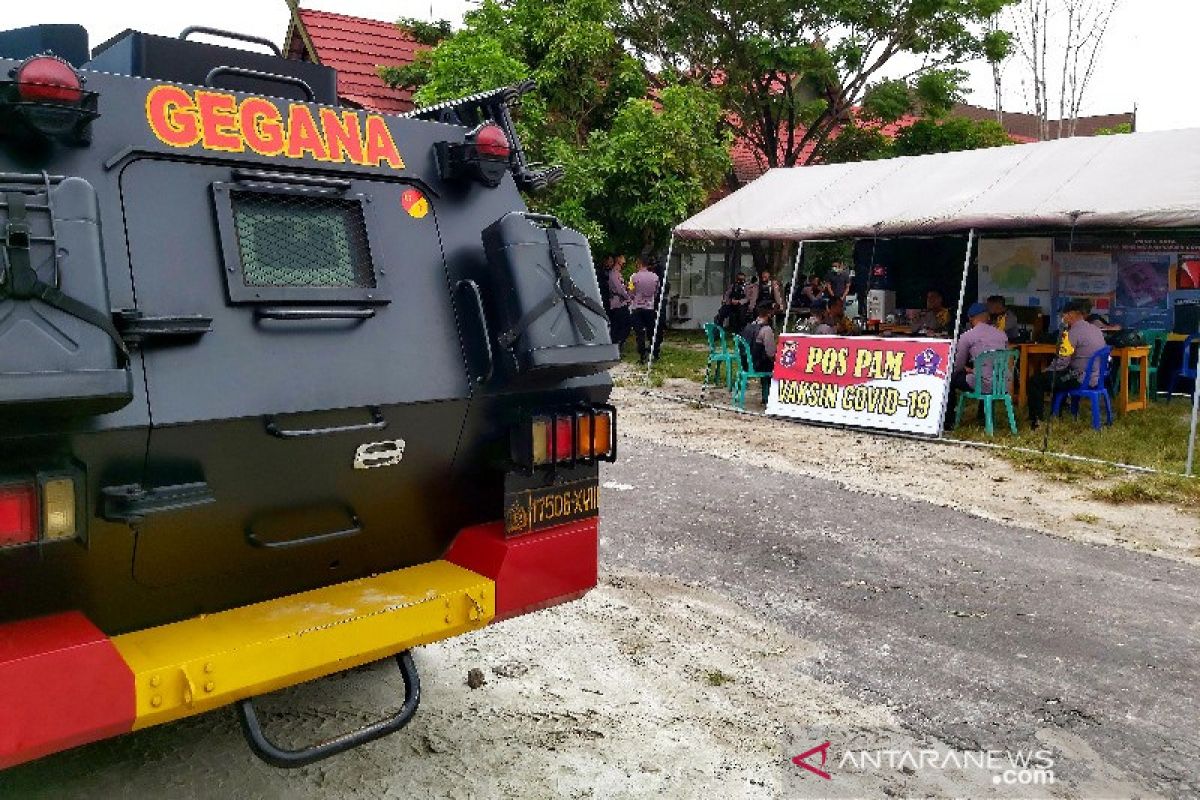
1002	317
1079	341
935	319
834	321
980	337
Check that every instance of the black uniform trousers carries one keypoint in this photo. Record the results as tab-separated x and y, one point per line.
1060	380
643	329
618	325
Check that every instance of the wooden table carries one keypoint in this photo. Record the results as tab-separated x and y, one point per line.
1124	357
1029	352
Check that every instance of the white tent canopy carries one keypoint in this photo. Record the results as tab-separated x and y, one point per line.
1131	181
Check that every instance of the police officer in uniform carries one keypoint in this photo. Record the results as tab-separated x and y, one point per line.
1080	341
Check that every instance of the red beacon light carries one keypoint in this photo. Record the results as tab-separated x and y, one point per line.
44	98
490	142
48	79
484	156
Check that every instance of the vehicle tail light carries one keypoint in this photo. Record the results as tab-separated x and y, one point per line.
58	508
47	79
18	514
576	435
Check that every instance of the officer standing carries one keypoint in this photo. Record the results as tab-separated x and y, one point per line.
618	303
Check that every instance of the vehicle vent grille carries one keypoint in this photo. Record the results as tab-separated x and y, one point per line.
297	240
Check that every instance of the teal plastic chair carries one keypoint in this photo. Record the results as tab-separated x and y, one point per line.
1157	340
746	371
719	354
999	364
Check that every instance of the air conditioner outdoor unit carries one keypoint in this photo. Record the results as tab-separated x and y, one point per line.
683	308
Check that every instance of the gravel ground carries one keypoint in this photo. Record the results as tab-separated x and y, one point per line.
745	606
967	478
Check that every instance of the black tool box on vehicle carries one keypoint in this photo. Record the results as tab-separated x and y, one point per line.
552	319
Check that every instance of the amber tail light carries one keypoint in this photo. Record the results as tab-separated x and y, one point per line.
571	436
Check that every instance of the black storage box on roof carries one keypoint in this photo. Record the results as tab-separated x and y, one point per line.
53	359
552	320
163	58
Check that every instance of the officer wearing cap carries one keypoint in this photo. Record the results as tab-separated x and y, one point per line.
1079	342
980	337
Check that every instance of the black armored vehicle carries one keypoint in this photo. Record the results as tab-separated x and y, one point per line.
285	387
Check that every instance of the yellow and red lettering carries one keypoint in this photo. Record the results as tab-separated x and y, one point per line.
380	146
262	126
219	122
343	135
172	116
303	135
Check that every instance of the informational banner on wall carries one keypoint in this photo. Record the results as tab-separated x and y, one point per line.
893	384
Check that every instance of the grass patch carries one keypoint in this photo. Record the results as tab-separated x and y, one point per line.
684	354
1090	519
714	677
1170	489
1064	470
1155	437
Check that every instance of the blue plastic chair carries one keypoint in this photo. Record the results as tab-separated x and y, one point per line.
719	354
1097	365
1187	365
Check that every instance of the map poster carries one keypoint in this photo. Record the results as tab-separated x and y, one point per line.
892	384
1021	270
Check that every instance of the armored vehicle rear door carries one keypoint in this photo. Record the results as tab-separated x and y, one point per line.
313	428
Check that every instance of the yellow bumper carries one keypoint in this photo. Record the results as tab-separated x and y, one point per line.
199	664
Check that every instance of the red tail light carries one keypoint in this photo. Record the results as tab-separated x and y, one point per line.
491	142
18	514
46	79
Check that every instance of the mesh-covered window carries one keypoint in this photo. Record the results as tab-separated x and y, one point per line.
297	241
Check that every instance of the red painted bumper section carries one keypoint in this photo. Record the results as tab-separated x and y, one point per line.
534	570
62	684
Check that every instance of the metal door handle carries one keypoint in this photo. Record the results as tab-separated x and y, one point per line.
377	423
286	314
487	336
312	538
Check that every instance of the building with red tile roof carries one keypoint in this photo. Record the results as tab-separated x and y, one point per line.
356	48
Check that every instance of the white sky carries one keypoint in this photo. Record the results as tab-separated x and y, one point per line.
1148	59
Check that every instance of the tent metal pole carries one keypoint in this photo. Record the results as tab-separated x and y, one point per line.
662	300
1192	435
792	291
958	312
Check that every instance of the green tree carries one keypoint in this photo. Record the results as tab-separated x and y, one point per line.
634	166
789	73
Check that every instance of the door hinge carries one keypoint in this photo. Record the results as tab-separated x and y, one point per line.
132	502
138	329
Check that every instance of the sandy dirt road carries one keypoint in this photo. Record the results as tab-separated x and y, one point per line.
741	608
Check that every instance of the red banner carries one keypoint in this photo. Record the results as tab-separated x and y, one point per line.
894	384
